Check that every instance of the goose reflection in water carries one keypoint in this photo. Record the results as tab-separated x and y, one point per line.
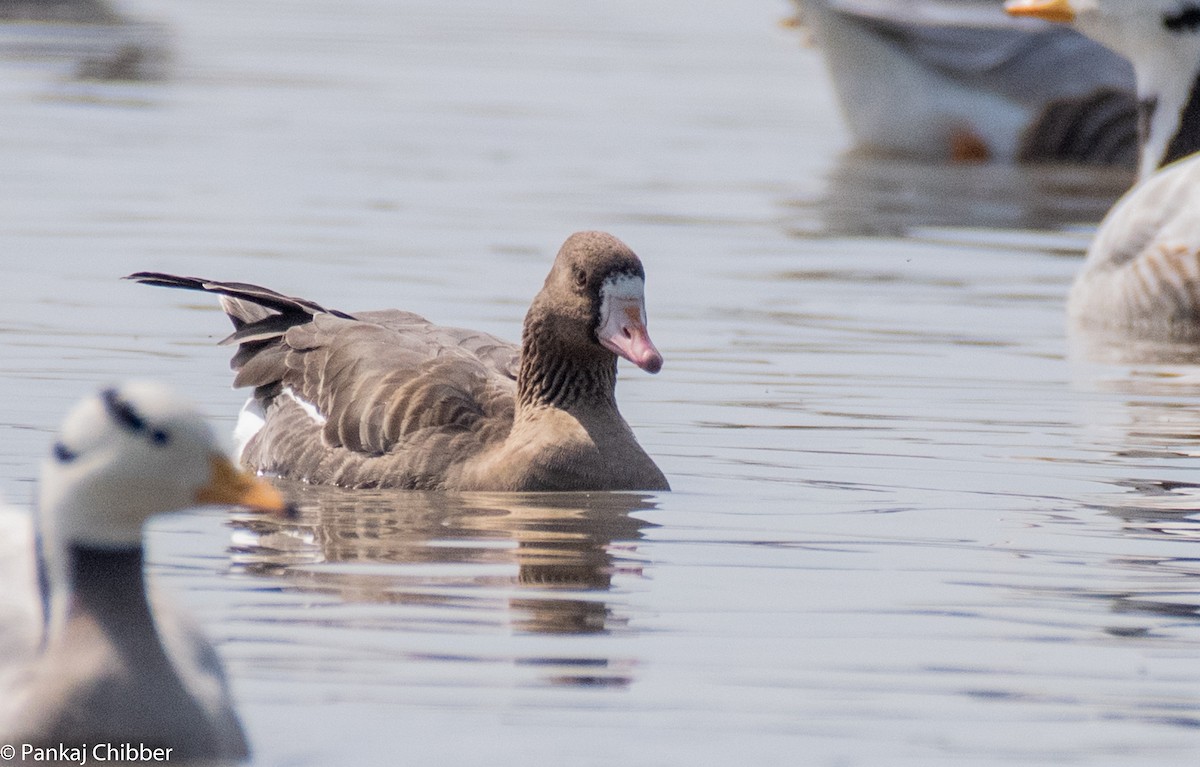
1149	440
1165	603
869	195
471	563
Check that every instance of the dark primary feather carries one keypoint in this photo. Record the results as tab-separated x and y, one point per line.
255	294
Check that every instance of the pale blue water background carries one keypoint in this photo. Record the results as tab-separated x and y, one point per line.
909	525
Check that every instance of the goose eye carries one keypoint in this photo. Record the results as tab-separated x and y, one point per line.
580	278
64	454
160	437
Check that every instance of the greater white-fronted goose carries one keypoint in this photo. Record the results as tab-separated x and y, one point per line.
388	399
957	80
113	667
1142	273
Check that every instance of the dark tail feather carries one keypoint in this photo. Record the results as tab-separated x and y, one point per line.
248	330
254	294
260	319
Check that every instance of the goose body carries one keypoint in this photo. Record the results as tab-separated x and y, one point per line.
1141	276
388	399
1142	270
102	662
958	80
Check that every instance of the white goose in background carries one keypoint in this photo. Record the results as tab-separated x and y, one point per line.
88	658
1142	272
959	80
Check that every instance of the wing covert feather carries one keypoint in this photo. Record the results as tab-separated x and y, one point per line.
381	384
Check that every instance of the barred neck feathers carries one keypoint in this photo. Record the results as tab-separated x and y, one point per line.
551	376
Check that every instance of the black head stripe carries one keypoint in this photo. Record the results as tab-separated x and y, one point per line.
64	454
122	412
1186	19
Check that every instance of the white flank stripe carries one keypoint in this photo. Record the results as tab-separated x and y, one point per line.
252	418
250	421
306	406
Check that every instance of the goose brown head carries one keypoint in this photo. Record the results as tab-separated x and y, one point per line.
590	310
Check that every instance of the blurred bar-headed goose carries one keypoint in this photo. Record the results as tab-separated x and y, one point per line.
113	667
388	399
1142	273
958	80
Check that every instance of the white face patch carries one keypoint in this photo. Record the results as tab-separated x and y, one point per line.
623	289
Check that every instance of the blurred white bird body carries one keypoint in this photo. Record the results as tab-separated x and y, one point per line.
89	656
1142	272
959	80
